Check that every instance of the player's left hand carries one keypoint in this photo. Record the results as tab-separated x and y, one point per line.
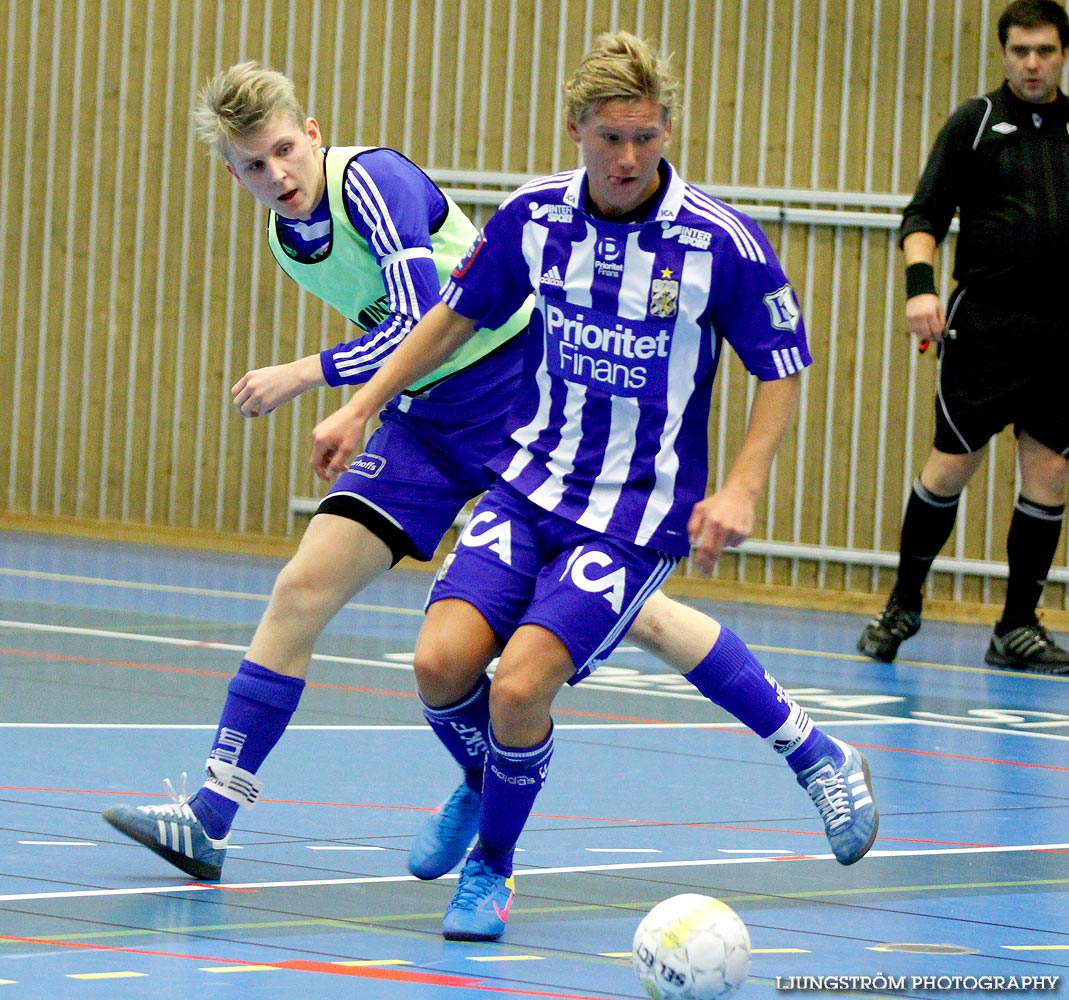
719	522
335	441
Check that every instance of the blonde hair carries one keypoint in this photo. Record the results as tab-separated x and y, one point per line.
237	101
620	66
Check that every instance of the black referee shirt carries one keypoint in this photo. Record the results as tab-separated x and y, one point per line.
1003	164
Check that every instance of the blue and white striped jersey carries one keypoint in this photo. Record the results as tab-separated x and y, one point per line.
611	423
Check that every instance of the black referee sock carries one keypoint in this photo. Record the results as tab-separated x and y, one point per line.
1030	546
927	525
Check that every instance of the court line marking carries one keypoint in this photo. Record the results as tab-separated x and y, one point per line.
168	588
334	968
593	685
860	720
341	847
826	715
327	658
531	872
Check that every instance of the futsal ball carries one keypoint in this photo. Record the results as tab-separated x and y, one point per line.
691	947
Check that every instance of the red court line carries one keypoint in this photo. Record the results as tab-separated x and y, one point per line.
611	820
328	968
162	668
958	756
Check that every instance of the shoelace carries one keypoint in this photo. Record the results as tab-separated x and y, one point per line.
895	620
1029	639
475	881
831	799
177	803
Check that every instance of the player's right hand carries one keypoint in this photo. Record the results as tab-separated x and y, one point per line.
335	441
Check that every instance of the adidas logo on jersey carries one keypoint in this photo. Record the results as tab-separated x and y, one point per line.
552	277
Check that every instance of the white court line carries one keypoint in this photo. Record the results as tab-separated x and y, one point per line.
400	727
860	720
167	640
58	843
622	850
827	716
342	847
167	588
525	872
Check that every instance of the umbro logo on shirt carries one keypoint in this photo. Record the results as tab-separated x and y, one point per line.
1004	128
552	277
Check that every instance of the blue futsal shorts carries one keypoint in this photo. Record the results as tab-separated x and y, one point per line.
428	458
518	564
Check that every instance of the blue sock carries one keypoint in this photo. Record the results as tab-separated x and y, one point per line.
258	707
514	777
731	676
462	727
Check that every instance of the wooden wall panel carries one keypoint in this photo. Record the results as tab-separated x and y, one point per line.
137	285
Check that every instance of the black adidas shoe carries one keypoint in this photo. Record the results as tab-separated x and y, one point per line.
888	630
1028	648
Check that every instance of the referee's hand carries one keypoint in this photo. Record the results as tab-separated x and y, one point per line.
925	319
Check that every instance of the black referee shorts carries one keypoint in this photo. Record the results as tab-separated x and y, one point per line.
1004	366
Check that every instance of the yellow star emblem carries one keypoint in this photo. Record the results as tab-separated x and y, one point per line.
666	272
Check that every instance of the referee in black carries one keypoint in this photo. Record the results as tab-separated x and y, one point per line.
1002	162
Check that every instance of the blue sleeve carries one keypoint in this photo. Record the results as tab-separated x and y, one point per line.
755	309
395	207
492	281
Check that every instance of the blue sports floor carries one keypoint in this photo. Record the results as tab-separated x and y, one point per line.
113	664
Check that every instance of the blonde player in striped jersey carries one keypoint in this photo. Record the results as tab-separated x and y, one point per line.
367	231
639	278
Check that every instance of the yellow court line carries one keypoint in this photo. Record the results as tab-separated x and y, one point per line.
106	975
360	963
241	968
923	664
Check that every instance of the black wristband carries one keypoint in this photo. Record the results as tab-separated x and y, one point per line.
920	280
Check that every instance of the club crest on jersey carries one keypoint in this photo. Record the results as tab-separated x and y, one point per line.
783	309
664	295
368	465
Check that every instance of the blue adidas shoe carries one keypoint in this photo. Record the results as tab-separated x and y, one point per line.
446	835
480	907
174	833
844	797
